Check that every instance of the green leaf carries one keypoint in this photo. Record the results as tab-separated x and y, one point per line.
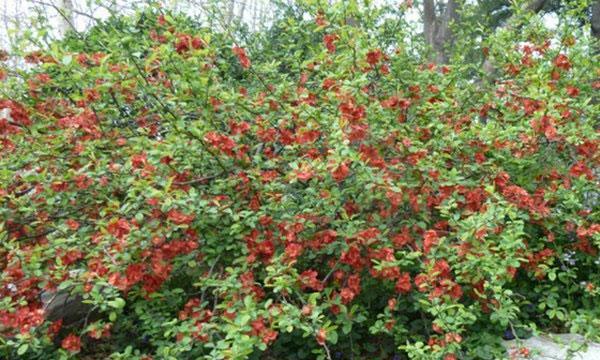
332	337
117	303
67	59
22	349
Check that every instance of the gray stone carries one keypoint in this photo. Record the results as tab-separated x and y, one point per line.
65	306
555	347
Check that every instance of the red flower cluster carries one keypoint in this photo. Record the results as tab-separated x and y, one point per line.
546	126
86	122
439	281
352	112
329	40
562	62
119	228
341	172
187	42
309	280
259	329
179	218
221	142
430	239
242	57
71	343
23	319
374	57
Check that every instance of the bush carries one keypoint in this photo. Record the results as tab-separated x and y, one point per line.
318	191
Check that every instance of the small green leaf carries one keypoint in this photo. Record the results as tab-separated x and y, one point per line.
22	349
117	303
67	59
332	337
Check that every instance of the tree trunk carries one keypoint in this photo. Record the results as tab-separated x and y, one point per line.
444	37
429	22
436	28
595	22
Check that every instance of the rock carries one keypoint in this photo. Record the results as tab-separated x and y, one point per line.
554	347
62	305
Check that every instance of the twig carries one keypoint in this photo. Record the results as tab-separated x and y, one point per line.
197	180
327	351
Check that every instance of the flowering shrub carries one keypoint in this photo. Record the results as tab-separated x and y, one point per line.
328	197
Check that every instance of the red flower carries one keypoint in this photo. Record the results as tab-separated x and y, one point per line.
518	196
392	303
309	280
18	114
72	224
347	295
358	132
55	327
430	239
502	179
293	250
71	343
579	169
186	42
320	20
354	284
268	336
394	102
221	142
572	91
304	173
341	172
139	161
562	62
328	83
374	56
321	337
456	291
352	112
134	273
403	285
119	228
329	40
403	238
179	218
367	234
242	57
352	257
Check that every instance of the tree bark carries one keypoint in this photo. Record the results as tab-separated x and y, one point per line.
429	22
595	20
535	5
436	28
444	37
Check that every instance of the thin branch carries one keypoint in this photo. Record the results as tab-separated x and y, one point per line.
61	13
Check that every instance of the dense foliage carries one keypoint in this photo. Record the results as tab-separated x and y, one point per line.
316	191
